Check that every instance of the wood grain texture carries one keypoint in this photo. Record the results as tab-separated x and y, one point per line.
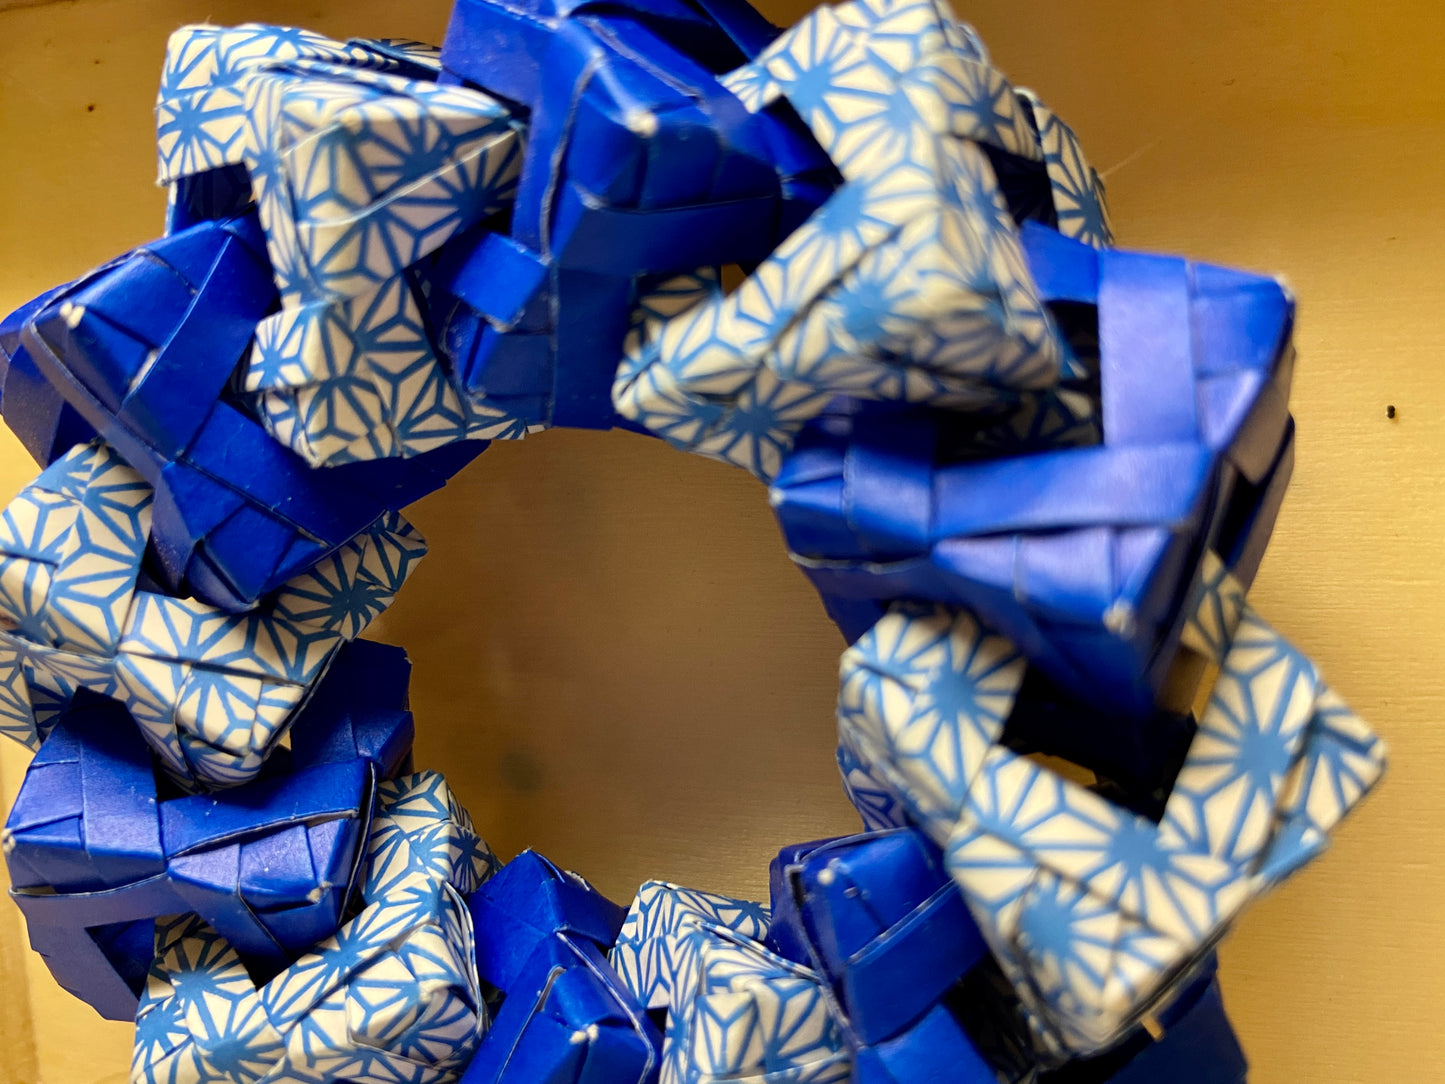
18	1061
615	662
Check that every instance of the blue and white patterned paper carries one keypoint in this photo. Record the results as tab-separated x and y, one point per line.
1078	191
752	1015
874	800
97	850
212	691
424	833
1215	605
201	103
393	997
70	551
360	167
1090	909
908	284
661	936
736	1011
923	699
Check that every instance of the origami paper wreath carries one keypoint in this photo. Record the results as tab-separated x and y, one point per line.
1031	476
736	1009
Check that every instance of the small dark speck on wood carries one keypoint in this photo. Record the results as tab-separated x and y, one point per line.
520	771
1390	411
90	108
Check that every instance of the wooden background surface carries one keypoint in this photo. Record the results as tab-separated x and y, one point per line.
615	661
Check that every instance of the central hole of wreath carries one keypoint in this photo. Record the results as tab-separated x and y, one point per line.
616	663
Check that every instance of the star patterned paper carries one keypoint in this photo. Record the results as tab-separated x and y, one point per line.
1093	910
212	691
735	1009
660	937
909	283
360	166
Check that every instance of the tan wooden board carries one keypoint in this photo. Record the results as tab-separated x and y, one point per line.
615	661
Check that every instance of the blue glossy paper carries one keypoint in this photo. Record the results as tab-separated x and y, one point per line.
95	854
359	710
639	165
1083	556
565	1017
879	918
394	996
34	409
143	349
1196	1045
1031	476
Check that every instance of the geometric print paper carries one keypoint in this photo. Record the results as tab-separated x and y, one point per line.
752	1015
360	165
1094	911
212	691
70	550
362	174
393	998
358	379
1077	190
871	797
659	937
736	1011
201	103
909	283
924	696
358	174
1215	605
425	832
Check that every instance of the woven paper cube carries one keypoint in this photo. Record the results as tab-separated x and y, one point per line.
630	177
144	348
908	284
213	692
1083	556
565	1017
96	851
361	165
393	996
1094	911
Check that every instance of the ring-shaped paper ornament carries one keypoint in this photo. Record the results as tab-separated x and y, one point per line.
1029	474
